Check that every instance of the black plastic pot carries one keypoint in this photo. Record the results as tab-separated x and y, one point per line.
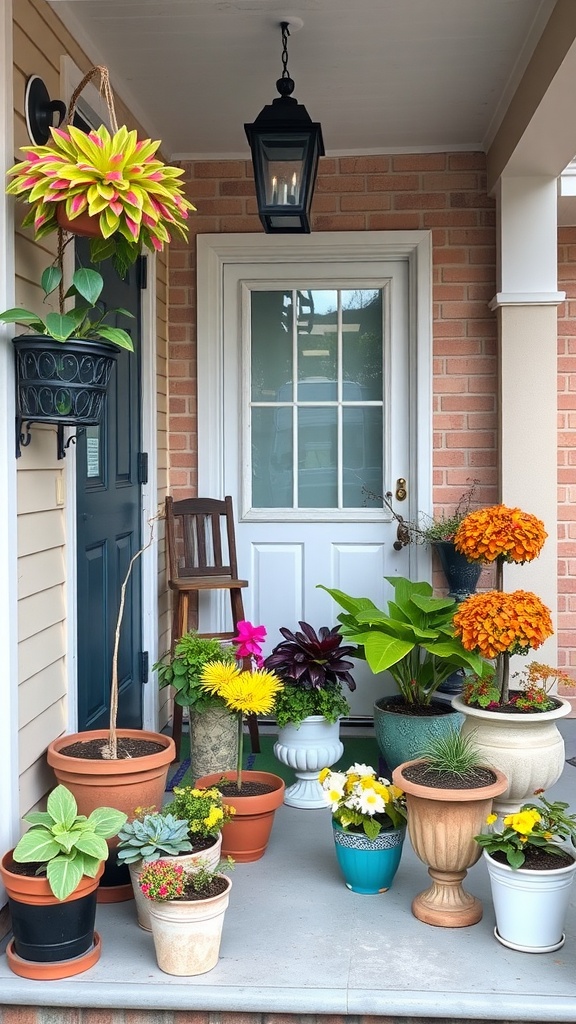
61	382
48	934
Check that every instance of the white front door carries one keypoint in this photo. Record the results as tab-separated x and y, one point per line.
317	378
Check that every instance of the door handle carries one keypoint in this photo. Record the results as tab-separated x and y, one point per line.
401	489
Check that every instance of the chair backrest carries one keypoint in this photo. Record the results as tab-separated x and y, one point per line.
200	538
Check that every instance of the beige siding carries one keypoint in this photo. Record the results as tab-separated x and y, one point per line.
40	40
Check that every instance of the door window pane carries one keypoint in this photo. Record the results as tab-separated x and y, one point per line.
317	345
362	457
362	340
271	348
318	457
272	458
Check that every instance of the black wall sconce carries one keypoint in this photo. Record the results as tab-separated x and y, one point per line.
286	146
40	110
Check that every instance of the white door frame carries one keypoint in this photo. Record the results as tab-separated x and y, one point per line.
214	252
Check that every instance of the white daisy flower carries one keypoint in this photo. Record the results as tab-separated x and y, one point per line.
370	802
361	769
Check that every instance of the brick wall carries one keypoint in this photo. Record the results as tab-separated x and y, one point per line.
567	451
63	1015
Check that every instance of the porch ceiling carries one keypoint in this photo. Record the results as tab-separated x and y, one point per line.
380	75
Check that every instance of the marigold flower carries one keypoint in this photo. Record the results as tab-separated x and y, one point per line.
496	623
498	531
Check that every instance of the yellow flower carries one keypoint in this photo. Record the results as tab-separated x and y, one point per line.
523	821
216	674
498	531
323	774
491	819
250	692
497	622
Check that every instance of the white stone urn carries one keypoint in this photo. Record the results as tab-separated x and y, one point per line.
309	747
528	748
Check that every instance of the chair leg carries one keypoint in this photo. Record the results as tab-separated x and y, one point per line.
177	728
254	734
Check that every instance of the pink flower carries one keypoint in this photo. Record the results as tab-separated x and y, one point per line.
249	641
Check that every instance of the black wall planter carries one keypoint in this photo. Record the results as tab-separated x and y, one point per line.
60	382
461	575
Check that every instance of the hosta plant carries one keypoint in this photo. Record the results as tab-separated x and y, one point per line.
86	320
138	200
66	845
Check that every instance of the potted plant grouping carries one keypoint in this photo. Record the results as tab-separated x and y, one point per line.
368	825
414	641
516	728
51	879
187	914
531	873
213	728
187	830
313	667
449	792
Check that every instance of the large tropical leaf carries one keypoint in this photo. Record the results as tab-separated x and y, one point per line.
107	821
64	875
383	651
36	845
62	807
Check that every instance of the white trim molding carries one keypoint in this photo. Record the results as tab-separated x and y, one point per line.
526	299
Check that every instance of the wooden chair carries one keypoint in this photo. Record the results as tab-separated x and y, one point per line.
202	556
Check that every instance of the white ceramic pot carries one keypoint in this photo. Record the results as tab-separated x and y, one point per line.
187	935
209	859
528	748
530	906
308	748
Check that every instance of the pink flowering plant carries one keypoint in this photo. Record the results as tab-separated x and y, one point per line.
163	880
249	642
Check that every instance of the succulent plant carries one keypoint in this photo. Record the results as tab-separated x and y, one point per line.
153	837
312	660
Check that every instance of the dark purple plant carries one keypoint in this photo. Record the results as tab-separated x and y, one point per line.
312	660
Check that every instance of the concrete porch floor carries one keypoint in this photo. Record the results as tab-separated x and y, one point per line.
296	941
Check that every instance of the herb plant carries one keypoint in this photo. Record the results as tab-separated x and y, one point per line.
183	670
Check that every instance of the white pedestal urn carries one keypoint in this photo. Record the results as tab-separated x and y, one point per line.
309	747
528	748
530	906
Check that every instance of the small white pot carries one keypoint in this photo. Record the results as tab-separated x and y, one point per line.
308	748
187	935
530	906
209	859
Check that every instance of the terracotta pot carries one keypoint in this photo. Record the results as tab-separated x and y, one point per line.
83	224
187	934
442	824
528	748
52	938
245	838
209	859
124	784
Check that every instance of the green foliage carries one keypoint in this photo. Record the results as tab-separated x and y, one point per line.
183	670
452	752
155	836
414	640
312	659
539	824
293	704
203	809
70	844
77	322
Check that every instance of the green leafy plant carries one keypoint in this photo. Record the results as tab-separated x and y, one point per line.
65	844
361	801
536	826
203	809
313	666
164	880
154	836
183	670
535	682
414	640
452	752
86	320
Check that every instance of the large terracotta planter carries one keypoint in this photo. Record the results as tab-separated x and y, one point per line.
527	748
124	784
309	747
52	938
402	737
187	935
245	838
442	824
213	741
208	859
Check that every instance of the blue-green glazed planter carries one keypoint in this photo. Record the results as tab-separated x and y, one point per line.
404	737
368	865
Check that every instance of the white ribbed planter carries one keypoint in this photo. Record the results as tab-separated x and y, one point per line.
190	862
530	906
528	748
187	935
308	748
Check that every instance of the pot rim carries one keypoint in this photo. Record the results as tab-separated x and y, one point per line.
531	872
125	766
447	794
531	717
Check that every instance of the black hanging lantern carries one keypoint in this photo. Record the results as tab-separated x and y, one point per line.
286	146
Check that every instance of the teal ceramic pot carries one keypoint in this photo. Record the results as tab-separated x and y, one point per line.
404	737
368	865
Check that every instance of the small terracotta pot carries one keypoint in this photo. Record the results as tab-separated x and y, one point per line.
442	824
245	838
83	224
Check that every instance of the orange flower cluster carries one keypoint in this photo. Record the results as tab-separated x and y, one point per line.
497	623
490	532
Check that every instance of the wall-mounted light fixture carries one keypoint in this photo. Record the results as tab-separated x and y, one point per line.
40	110
286	146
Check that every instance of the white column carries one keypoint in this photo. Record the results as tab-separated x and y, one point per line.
526	302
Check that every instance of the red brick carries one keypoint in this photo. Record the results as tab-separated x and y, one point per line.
393	222
373	201
467	161
341	183
219	169
393	182
364	164
419	201
419	162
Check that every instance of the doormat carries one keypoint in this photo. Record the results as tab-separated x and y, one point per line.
361	749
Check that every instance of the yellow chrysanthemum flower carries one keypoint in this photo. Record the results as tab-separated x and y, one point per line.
216	674
498	531
250	693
